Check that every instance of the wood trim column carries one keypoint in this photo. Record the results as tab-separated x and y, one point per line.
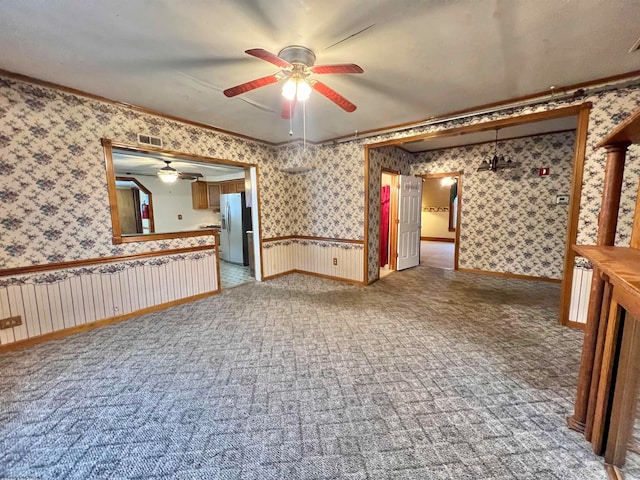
607	224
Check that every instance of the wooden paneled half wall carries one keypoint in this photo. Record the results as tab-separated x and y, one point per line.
65	300
331	258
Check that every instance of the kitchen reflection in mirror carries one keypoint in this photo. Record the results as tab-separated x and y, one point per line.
158	194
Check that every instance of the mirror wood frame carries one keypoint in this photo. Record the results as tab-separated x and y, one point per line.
117	237
152	227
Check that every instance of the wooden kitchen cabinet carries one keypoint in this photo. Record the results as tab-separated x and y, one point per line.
199	195
232	186
228	187
214	195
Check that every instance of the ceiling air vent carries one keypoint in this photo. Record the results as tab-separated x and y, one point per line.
149	140
636	46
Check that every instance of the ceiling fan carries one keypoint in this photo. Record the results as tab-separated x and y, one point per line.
168	174
297	64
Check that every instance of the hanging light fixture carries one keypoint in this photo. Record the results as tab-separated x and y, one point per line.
168	174
496	162
448	181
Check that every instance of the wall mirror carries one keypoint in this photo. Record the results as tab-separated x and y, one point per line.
155	194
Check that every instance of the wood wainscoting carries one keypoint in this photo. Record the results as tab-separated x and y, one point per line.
337	259
66	300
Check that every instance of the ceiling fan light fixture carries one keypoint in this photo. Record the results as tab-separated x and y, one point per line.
289	89
168	174
304	91
296	88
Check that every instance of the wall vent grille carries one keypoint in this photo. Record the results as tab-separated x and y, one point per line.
149	140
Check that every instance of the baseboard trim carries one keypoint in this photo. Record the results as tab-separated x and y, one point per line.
575	325
439	239
319	275
100	323
278	275
510	275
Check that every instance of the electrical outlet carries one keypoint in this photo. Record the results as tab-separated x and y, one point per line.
179	217
10	322
335	261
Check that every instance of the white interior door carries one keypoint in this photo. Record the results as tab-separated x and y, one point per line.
409	209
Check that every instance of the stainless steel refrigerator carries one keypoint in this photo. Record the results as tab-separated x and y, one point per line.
235	220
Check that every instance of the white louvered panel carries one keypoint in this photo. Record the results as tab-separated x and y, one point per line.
146	275
296	255
134	299
116	293
189	281
17	308
55	306
67	303
194	268
163	282
580	293
98	297
341	255
44	312
183	279
326	267
78	300
125	292
171	272
267	260
107	296
212	272
201	274
179	279
173	283
6	336
210	268
304	255
30	310
286	258
88	298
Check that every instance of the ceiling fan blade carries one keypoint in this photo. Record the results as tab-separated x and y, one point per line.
334	96
341	68
252	85
189	175
262	54
288	108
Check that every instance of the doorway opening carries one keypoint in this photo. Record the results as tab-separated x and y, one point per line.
441	200
388	222
204	195
512	253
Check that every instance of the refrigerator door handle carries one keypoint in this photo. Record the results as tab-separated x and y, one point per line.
228	217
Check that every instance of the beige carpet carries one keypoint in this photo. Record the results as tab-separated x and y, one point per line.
437	254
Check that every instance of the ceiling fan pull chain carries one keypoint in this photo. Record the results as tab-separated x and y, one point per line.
290	121
304	125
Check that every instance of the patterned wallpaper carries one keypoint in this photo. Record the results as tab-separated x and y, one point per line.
53	194
53	200
390	158
326	201
510	221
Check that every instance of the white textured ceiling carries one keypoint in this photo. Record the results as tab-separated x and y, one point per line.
148	164
421	58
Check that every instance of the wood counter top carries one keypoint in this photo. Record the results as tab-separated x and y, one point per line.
621	265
